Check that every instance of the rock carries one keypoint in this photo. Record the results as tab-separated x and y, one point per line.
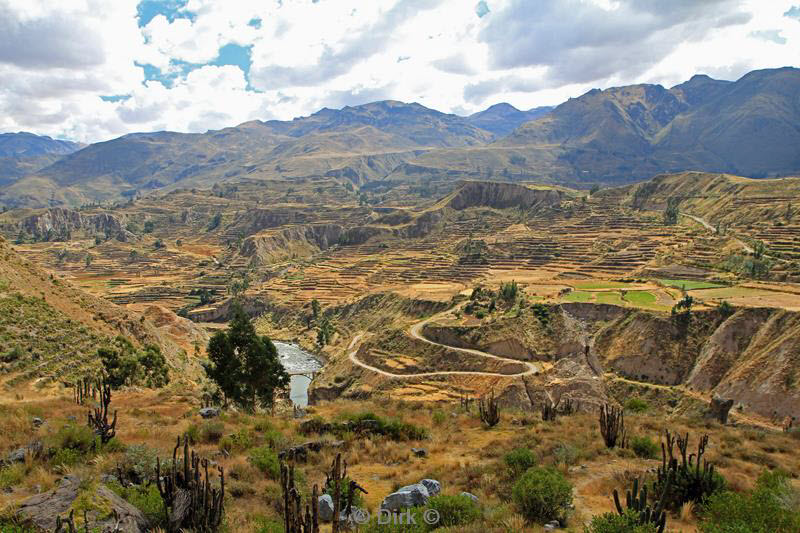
209	412
552	525
470	496
325	503
37	422
406	497
718	409
433	486
43	509
419	452
18	455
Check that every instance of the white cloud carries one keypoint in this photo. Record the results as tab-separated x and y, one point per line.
56	62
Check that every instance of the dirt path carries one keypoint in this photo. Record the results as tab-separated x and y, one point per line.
414	331
711	228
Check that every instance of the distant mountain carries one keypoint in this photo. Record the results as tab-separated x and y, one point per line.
360	143
25	144
501	119
23	153
750	127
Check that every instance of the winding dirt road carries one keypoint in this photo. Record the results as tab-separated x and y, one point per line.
415	332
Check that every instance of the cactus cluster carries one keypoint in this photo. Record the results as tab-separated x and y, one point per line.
612	426
294	520
688	478
489	411
190	501
636	501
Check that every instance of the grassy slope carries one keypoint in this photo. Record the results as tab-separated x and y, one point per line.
57	327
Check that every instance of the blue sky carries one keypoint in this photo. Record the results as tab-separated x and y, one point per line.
91	70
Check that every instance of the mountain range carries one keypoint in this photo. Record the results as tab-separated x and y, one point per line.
624	134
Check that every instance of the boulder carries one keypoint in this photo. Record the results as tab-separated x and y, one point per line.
325	504
718	409
17	456
209	412
43	509
37	422
433	486
470	496
419	452
406	497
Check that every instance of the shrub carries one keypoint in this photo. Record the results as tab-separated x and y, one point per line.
454	510
771	507
12	475
394	429
71	437
645	447
268	525
209	432
66	457
145	498
542	494
439	417
566	454
519	460
239	441
266	460
637	405
139	463
615	523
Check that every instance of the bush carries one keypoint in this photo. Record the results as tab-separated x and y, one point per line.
239	441
439	417
394	429
542	494
454	510
206	433
139	463
616	523
519	460
773	506
71	437
637	405
266	460
645	447
145	498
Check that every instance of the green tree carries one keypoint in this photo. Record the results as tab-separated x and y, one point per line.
315	309
244	365
324	332
149	226
671	212
124	364
216	220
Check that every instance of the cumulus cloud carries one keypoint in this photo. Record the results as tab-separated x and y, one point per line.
91	70
769	35
583	41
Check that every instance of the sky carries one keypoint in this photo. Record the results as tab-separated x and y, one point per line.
92	70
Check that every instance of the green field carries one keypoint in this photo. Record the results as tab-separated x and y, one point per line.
689	285
577	296
609	297
641	298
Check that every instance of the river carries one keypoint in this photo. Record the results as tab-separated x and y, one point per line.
295	359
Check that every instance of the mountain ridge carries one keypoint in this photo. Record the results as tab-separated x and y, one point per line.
612	136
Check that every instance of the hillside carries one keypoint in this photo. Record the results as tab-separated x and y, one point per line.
624	134
50	330
359	143
25	144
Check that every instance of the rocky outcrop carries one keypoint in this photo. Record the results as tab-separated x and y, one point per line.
501	196
43	509
59	223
